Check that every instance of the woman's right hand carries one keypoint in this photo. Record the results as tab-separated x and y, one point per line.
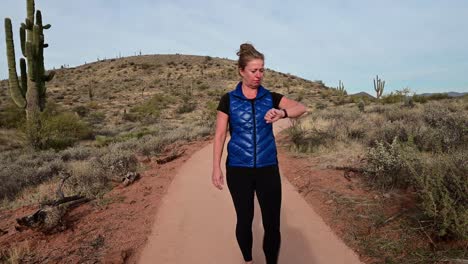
217	178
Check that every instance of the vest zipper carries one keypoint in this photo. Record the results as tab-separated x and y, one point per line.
255	133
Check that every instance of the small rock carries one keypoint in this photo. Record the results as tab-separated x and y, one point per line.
386	195
130	178
329	201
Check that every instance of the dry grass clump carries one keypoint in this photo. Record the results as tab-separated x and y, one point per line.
16	254
24	170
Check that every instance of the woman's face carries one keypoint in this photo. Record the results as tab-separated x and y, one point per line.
252	74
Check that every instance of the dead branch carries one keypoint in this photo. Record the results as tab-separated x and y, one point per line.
59	192
346	168
456	261
49	217
391	218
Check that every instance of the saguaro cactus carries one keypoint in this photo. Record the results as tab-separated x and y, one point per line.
30	94
378	86
341	89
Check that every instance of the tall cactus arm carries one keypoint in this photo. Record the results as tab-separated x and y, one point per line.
15	89
23	39
49	76
30	11
24	77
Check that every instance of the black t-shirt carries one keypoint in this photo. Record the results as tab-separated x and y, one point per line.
224	102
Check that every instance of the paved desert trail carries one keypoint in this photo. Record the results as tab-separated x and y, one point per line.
196	224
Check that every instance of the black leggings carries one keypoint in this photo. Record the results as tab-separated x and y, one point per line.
266	183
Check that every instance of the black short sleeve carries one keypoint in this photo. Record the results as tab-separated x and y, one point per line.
223	105
276	99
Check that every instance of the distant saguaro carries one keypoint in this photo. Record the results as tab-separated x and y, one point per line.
378	86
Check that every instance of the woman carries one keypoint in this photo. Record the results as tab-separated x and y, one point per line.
252	165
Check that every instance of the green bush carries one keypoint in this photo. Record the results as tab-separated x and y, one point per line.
95	117
81	110
442	185
308	140
361	105
117	162
449	129
88	178
392	98
12	116
186	106
320	105
387	165
62	130
388	132
150	110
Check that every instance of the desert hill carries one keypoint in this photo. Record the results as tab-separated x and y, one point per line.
109	88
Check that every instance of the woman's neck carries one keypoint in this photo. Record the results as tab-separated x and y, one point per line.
249	92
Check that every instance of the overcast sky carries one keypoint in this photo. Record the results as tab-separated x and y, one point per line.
420	44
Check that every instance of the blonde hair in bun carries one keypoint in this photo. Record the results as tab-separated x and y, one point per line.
246	53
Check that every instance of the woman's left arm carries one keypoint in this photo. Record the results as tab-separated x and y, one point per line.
293	108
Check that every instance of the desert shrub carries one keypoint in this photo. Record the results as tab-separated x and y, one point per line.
427	138
87	178
150	110
397	113
392	98
62	130
438	96
28	169
388	131
203	87
387	165
11	116
379	109
77	153
81	110
442	185
449	129
361	105
95	117
420	99
209	113
151	145
186	106
409	102
308	139
116	162
357	130
320	106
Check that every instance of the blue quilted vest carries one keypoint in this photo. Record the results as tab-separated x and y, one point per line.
252	143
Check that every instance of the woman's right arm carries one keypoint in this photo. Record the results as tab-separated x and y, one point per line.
218	146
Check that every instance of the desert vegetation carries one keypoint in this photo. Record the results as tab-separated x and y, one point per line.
113	112
414	151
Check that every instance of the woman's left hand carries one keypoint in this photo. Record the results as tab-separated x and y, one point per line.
273	115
